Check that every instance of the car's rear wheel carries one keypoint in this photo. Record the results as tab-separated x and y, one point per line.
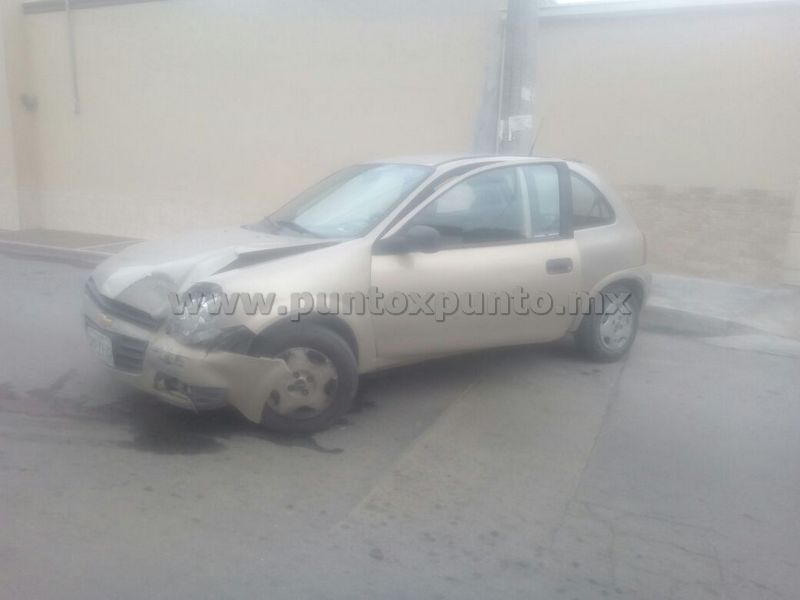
320	383
605	335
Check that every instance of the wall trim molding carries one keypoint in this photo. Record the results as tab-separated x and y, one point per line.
627	8
44	6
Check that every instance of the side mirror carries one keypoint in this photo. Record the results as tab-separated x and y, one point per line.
419	238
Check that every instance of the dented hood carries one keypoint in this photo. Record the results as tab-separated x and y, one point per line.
177	262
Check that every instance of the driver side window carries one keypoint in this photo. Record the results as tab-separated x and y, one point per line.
483	208
500	205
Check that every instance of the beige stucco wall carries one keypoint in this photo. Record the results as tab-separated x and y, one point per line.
692	98
19	205
9	215
695	116
200	113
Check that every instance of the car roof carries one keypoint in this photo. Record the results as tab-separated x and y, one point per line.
454	160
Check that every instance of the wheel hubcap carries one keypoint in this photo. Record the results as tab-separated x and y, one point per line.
616	326
309	386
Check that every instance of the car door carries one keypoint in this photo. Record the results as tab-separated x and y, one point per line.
504	232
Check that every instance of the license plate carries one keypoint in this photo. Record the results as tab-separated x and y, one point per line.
101	344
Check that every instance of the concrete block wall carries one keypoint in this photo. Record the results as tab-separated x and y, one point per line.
791	265
737	234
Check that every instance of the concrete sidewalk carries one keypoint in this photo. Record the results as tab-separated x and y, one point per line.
62	246
708	308
747	316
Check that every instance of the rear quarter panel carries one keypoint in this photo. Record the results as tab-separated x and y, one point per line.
610	252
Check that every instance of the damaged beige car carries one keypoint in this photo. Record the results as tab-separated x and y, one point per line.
434	256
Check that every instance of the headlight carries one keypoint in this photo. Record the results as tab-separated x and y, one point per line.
195	320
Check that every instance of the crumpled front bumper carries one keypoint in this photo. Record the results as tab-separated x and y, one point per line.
189	377
180	374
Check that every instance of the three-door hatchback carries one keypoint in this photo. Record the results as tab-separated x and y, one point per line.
378	265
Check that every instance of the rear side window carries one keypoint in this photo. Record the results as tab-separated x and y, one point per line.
589	207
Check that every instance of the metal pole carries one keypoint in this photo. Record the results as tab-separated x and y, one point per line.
519	77
73	61
500	87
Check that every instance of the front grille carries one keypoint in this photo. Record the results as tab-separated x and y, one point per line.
128	352
120	310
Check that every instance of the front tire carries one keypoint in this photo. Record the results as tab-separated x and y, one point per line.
606	335
320	384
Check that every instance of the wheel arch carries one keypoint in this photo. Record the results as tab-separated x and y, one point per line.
331	322
636	280
634	285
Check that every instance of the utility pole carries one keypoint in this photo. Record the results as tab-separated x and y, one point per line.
517	79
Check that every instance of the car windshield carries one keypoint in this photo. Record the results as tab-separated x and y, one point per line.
348	203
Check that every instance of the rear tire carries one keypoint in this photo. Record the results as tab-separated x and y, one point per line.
607	333
326	369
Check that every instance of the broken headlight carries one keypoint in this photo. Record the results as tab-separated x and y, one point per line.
195	316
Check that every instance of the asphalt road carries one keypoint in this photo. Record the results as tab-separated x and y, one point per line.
516	473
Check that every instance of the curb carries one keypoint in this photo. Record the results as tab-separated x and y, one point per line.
683	322
73	256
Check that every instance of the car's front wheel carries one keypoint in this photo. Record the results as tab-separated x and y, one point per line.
607	333
320	383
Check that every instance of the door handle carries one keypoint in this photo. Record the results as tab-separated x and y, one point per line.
557	266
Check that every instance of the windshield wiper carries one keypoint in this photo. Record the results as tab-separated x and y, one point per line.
294	226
